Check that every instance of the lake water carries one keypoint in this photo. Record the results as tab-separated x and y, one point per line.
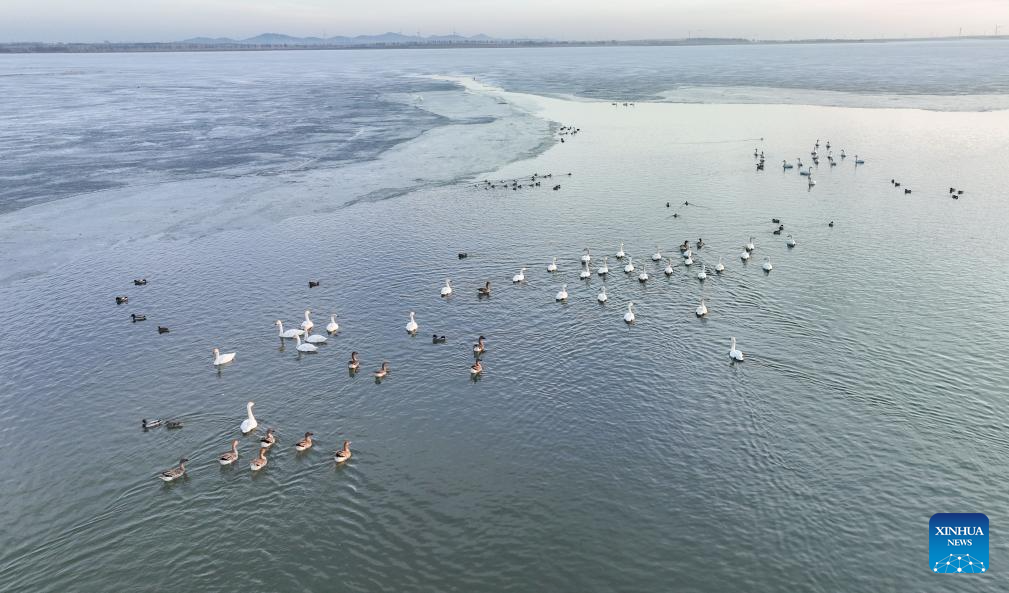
591	455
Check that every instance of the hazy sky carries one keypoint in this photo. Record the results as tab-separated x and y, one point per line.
169	20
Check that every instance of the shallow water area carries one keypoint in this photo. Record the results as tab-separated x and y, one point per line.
590	455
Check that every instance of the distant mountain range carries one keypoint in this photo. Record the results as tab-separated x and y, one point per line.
385	38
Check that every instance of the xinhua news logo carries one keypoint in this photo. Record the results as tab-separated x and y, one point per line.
958	543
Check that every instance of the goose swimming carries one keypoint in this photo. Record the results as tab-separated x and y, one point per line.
305	347
382	372
411	326
174	473
629	315
354	362
222	359
447	289
231	456
701	310
249	424
479	347
605	268
485	291
735	354
563	294
332	327
289	333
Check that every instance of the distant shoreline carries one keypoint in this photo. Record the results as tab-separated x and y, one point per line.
59	47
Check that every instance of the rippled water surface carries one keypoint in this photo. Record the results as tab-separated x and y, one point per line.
591	455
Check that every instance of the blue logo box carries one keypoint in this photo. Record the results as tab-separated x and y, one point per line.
958	543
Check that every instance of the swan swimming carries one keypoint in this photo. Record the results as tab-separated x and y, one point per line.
790	241
767	264
332	327
586	272
735	354
605	268
222	359
289	333
563	294
411	326
687	253
629	267
520	277
307	324
703	274
749	245
701	310
620	253
602	298
305	347
588	255
447	289
657	256
629	315
552	266
689	261
669	267
745	255
719	267
643	276
249	424
314	339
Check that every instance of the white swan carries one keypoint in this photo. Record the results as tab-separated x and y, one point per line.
332	327
602	296
687	253
703	274
412	326
552	266
304	347
790	241
520	277
307	324
719	267
605	268
620	252
701	310
629	315
249	424
586	272
563	294
749	245
745	255
447	289
220	359
805	172
767	264
289	333
669	267
588	255
735	354
657	256
786	165
630	265
643	276
689	261
315	339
